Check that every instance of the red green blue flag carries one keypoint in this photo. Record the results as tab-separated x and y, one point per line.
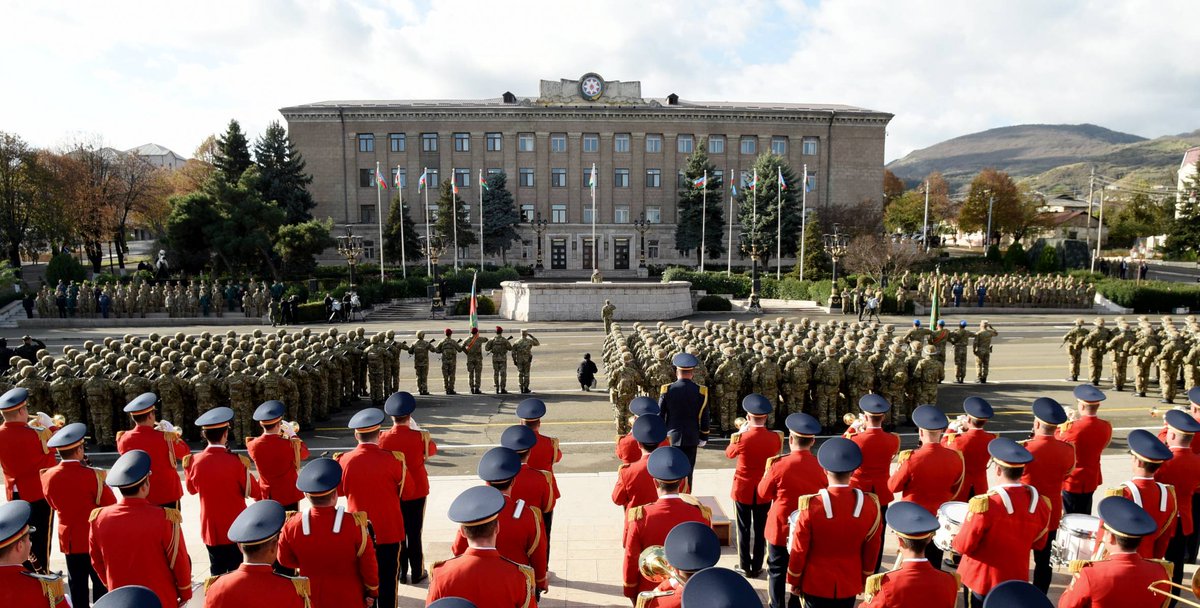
379	178
782	184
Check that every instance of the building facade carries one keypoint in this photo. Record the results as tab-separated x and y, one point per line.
547	145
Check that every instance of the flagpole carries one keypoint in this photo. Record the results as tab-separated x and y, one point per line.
703	217
595	248
454	218
779	222
729	250
428	232
754	207
400	196
379	216
481	219
803	216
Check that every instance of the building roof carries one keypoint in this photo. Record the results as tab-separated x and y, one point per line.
1066	217
1190	158
152	149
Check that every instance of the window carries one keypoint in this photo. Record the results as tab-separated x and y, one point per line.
524	142
621	142
749	145
494	141
587	177
366	178
621	215
558	178
366	214
651	249
653	215
745	180
462	142
433	212
809	145
462	178
654	143
779	146
396	142
401	175
369	250
525	178
591	142
685	144
558	142
432	179
429	142
366	142
812	181
717	175
527	213
558	214
621	178
494	171
716	144
653	178
587	213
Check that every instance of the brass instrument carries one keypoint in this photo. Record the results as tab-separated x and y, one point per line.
1194	588
958	425
856	424
652	563
740	423
631	419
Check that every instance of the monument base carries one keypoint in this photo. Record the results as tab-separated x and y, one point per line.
582	301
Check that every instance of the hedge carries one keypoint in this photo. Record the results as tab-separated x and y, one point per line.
1150	296
713	304
484	304
737	285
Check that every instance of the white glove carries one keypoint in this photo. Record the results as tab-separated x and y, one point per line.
165	425
702	443
289	429
44	420
412	424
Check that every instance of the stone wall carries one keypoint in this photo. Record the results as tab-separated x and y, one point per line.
582	301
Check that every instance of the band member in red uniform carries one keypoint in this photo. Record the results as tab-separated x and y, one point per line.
406	437
931	474
223	481
690	547
1157	498
18	586
971	441
277	454
23	454
1053	460
256	532
913	583
752	446
1090	434
136	542
1122	578
545	451
1183	472
74	489
879	449
535	486
161	443
635	487
627	446
330	547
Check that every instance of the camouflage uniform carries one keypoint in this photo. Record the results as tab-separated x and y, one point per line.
961	340
242	391
98	391
860	377
1096	341
420	351
66	396
499	347
797	374
1146	347
622	388
1168	366
1074	340
449	349
728	376
522	354
925	379
766	376
376	369
983	350
828	378
473	347
1119	344
606	314
171	393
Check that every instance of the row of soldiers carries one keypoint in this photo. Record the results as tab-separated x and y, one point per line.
1173	352
176	298
1009	290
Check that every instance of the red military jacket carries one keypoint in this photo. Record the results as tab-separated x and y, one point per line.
20	587
165	450
1053	461
786	480
372	482
1122	580
929	476
278	459
223	481
835	542
135	542
521	539
673	600
649	526
916	584
253	584
635	487
416	446
1183	472
1090	435
333	549
995	542
1158	499
73	490
535	487
1162	436
628	449
23	455
752	448
879	448
545	453
483	577
973	445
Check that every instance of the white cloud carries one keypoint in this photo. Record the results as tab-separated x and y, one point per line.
172	73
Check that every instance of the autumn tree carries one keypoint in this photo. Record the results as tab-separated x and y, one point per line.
1014	211
95	209
893	187
138	190
21	177
880	256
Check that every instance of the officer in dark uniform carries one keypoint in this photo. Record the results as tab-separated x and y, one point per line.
719	588
29	348
256	532
129	596
684	406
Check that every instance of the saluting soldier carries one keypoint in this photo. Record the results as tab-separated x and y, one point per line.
690	547
913	583
499	347
256	532
931	474
277	455
407	437
1090	435
18	586
449	349
223	481
1123	578
1156	497
960	339
164	446
420	349
1053	460
23	454
752	447
481	575
684	406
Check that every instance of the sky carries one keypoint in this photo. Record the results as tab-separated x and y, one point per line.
133	72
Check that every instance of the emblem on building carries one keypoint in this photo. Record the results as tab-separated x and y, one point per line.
591	86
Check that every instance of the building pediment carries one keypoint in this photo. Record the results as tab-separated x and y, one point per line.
590	90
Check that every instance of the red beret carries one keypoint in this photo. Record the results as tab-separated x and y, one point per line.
449	331
499	329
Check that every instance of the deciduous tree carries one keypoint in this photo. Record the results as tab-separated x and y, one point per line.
21	176
893	187
1014	211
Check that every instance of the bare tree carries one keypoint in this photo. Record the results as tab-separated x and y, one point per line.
137	186
879	256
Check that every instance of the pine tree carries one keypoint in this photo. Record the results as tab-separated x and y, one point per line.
763	232
449	205
500	216
691	207
1184	236
816	263
282	176
232	156
397	218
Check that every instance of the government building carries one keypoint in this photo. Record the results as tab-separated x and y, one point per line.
547	145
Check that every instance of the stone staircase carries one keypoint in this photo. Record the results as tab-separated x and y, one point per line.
401	310
9	314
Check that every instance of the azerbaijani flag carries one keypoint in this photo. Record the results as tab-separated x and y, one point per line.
754	180
700	182
483	182
782	184
454	186
379	178
474	313
733	189
592	177
421	183
396	177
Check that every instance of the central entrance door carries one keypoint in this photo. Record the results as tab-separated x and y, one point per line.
621	254
588	252
558	254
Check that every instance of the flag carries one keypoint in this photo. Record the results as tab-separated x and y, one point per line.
592	177
934	308
454	186
733	189
700	182
396	178
782	184
754	180
483	182
379	178
421	183
474	310
808	185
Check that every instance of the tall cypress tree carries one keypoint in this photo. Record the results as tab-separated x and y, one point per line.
692	211
500	216
232	156
282	176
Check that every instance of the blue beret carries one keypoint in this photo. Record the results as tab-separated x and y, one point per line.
451	602
668	464
1145	446
941	322
839	455
1016	594
129	596
129	470
692	546
531	409
14	398
499	464
874	403
216	417
930	418
1122	516
270	411
719	588
68	437
1194	394
802	424
518	437
962	323
1008	452
685	361
320	476
257	523
978	407
1181	421
640	406
477	505
142	403
649	429
367	420
916	322
14	520
1088	393
1049	411
911	520
757	404
400	404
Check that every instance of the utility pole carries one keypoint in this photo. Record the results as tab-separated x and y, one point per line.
1087	234
987	239
925	224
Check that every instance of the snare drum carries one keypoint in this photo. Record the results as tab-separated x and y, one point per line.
951	516
1076	539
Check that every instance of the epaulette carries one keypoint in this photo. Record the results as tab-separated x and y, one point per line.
101	476
289	514
360	518
624	465
399	455
529	574
248	440
735	438
635	513
904	456
1114	492
874	584
208	582
663	389
781	437
1077	565
337	455
619	438
52	588
95	513
301	585
174	516
246	462
705	510
803	502
978	504
772	460
187	461
119	435
1168	566
950	437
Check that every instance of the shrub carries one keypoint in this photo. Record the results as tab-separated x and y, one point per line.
993	254
713	304
737	285
64	267
484	304
1015	257
1150	296
1047	260
311	312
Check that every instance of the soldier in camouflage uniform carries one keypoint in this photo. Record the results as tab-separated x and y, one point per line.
522	354
606	315
474	351
1168	365
623	387
1074	340
1096	342
206	389
99	395
925	378
39	391
499	347
1191	366
728	381
242	392
796	373
961	340
983	350
449	349
860	377
66	395
171	395
828	378
766	376
420	351
376	369
1119	344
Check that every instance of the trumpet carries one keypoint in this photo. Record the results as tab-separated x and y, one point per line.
289	429
959	425
1194	588
856	423
42	421
740	423
631	419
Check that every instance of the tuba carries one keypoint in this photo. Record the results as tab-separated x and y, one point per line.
653	565
1194	588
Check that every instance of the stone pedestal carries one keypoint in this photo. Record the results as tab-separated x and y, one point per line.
581	301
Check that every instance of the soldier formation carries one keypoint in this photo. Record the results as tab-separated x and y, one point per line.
1007	290
1166	354
136	299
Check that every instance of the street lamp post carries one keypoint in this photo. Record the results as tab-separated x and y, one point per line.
835	247
750	246
350	246
641	226
539	228
433	249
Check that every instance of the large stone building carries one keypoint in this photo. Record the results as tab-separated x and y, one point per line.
547	145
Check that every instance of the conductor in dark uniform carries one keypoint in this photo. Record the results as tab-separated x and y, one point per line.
684	406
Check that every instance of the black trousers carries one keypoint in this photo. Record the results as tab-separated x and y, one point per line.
751	545
41	517
811	601
777	563
690	452
388	557
934	555
412	554
1177	554
170	505
1077	503
548	519
223	558
1194	537
79	573
1042	572
972	599
883	518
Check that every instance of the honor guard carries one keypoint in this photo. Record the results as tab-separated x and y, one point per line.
223	481
1017	593
18	586
1123	578
913	583
719	588
545	452
277	455
407	437
627	446
690	547
635	487
1090	435
787	478
879	449
648	525
136	542
162	443
74	489
129	596
535	487
684	406
972	441
752	447
329	546
481	575
1183	472
373	480
1157	498
256	532
931	474
988	558
1053	460
23	454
